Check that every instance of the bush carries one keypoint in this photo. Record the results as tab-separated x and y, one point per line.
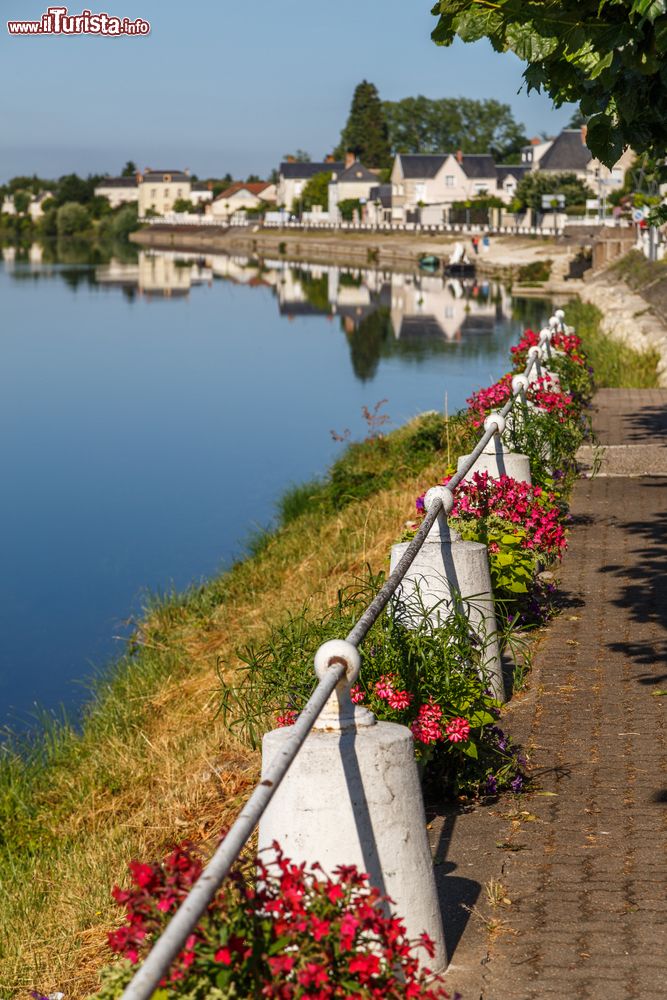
72	218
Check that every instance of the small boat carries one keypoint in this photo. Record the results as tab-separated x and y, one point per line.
459	265
429	262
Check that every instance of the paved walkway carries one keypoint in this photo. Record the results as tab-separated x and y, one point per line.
583	859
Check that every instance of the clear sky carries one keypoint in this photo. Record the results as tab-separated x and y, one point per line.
222	86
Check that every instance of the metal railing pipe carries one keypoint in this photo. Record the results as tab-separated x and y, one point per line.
184	921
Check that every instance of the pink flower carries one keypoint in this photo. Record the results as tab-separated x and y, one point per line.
398	700
426	728
457	730
384	688
356	694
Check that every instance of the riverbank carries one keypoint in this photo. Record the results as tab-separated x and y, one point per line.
503	260
153	762
632	294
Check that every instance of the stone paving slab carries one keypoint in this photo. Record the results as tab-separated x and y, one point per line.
583	858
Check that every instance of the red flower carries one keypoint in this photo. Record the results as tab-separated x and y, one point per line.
223	955
365	965
458	730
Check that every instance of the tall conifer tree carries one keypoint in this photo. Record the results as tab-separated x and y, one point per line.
366	132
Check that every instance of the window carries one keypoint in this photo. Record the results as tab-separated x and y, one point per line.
166	192
449	180
420	192
153	192
178	192
481	188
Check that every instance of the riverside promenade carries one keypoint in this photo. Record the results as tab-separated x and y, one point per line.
562	892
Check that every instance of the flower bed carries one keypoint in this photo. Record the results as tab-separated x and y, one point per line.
274	930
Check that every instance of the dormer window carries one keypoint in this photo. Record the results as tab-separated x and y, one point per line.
166	178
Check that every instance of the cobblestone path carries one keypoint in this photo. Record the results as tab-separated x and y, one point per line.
582	860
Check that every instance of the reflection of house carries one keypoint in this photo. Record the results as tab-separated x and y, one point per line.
165	274
353	183
293	177
243	195
430	306
159	189
119	190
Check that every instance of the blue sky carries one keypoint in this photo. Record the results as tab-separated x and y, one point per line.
222	86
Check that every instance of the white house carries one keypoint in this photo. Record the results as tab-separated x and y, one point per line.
119	190
201	192
438	180
243	195
159	189
353	182
293	177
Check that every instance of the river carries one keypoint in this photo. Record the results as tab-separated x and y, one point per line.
153	408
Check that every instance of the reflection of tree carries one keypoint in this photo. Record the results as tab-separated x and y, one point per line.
367	342
316	290
531	312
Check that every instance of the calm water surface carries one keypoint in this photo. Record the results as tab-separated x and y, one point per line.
152	411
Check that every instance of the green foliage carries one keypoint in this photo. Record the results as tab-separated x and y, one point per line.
423	125
22	201
537	270
315	192
533	185
366	133
184	205
443	665
301	156
607	55
129	170
347	208
512	567
71	188
72	218
616	365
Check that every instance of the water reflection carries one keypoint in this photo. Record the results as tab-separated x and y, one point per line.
153	407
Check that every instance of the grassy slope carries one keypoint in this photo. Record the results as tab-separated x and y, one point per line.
153	763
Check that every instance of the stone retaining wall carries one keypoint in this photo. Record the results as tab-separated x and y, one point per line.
627	316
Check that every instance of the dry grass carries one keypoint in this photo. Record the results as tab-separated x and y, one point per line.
154	764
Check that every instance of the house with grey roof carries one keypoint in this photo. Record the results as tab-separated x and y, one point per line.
159	189
435	181
119	190
293	177
569	154
353	182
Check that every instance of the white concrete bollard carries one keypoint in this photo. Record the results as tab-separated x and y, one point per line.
498	460
448	572
539	370
353	797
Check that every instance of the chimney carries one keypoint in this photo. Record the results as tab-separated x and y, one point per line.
139	177
187	171
459	155
291	159
584	133
330	158
350	158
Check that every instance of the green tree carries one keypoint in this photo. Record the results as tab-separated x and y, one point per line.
71	187
424	125
606	55
301	156
366	133
72	218
184	205
533	185
22	201
130	169
315	192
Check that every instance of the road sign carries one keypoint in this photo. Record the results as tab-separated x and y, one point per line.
637	214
